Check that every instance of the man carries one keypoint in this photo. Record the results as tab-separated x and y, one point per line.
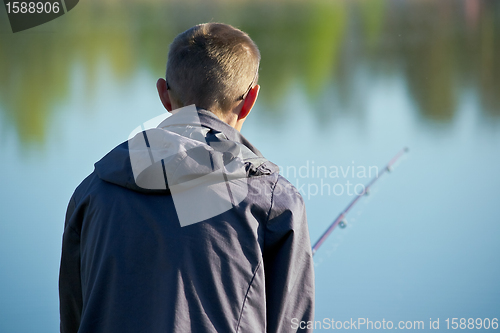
186	227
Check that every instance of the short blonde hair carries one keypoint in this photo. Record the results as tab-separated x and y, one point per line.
212	65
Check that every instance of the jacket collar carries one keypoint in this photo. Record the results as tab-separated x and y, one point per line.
210	120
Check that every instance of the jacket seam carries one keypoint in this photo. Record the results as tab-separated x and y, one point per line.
69	225
269	213
272	199
246	295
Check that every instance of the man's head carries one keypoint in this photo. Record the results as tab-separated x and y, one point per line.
214	66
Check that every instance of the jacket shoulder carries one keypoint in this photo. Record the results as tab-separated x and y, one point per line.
285	197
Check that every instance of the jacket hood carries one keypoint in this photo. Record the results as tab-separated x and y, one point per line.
191	153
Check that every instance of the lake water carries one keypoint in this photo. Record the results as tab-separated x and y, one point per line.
344	85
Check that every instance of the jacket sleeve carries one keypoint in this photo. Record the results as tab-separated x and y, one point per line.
70	291
288	262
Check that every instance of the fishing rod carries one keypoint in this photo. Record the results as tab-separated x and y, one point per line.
339	221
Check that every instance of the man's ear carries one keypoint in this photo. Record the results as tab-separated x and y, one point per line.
161	86
249	102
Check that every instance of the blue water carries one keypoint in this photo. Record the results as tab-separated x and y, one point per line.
423	245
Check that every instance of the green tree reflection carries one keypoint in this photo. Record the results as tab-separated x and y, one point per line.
440	48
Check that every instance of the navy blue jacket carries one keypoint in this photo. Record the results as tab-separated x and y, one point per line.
133	262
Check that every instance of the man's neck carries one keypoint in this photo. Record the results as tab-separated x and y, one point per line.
230	118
